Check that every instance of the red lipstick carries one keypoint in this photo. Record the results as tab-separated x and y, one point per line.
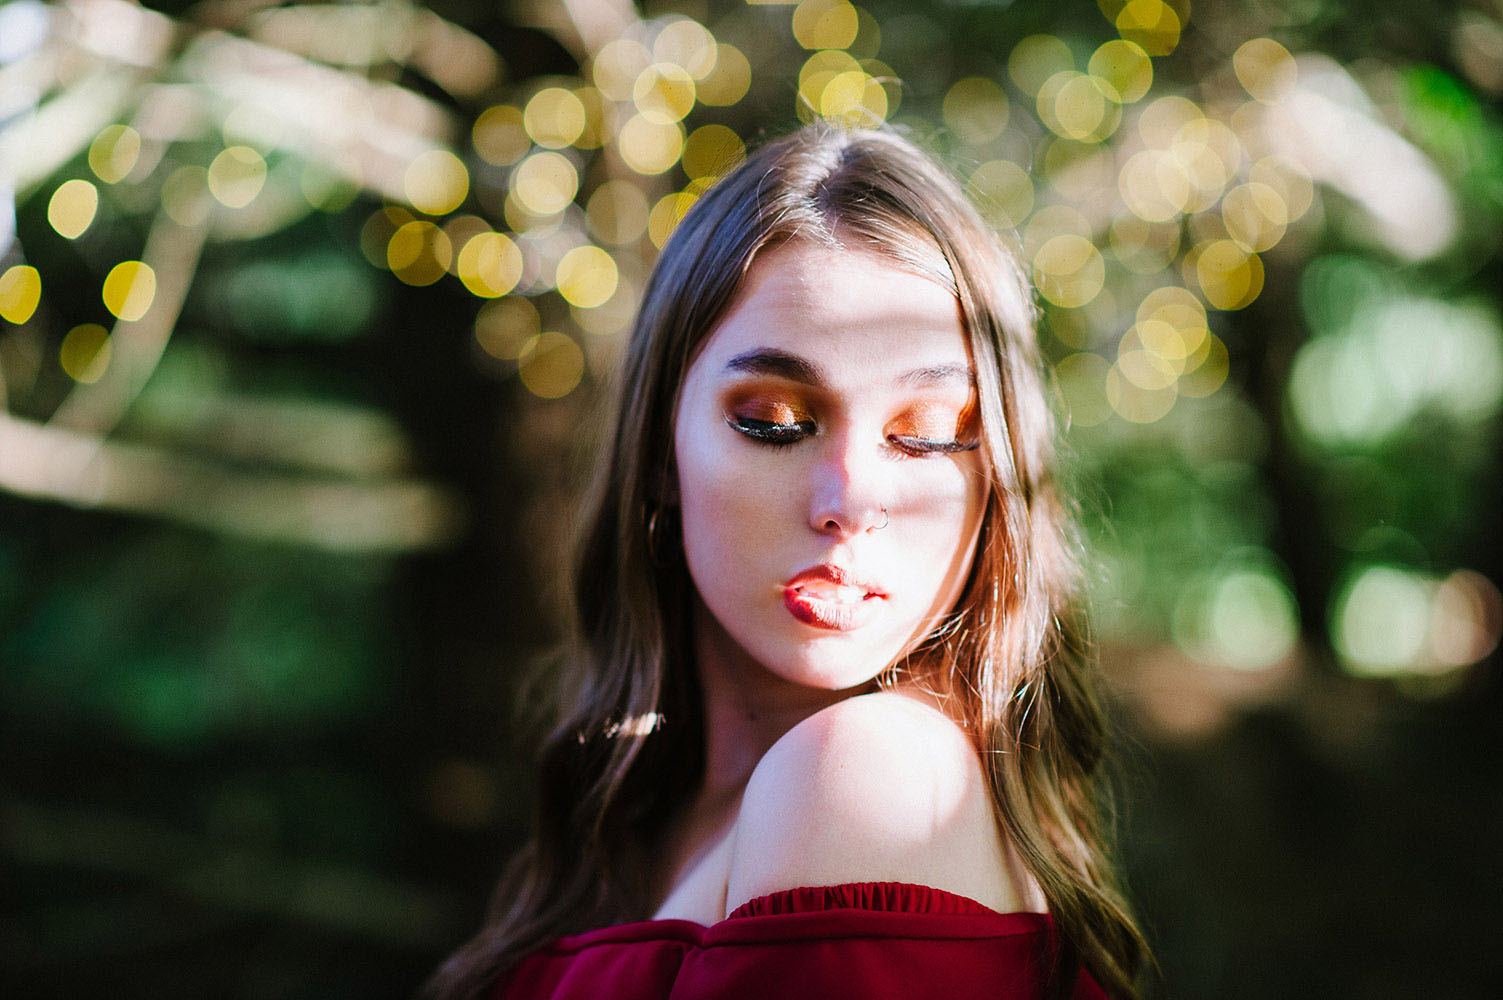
827	596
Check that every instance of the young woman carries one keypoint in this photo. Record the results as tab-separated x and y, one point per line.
825	733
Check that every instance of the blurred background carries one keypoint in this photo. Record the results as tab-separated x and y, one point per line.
306	308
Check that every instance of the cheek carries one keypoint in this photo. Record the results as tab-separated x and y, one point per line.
942	514
726	502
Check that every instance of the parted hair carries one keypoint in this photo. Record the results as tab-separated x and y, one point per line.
625	747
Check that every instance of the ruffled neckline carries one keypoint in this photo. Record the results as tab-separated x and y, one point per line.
901	897
808	908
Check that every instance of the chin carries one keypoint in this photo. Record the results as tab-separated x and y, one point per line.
827	664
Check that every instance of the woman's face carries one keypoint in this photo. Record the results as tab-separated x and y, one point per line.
837	385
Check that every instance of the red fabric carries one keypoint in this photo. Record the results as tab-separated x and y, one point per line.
861	941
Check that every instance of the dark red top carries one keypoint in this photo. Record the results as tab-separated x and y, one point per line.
859	941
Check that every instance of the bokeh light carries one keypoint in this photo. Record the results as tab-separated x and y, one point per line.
1263	251
618	65
613	316
185	195
1125	67
975	109
500	136
545	183
586	277
550	364
129	289
114	152
1037	58
651	147
1082	383
1078	106
1380	620
1141	246
554	117
1151	24
489	264
854	99
617	212
436	182
85	352
1003	192
71	208
688	44
1255	216
1265	69
712	150
502	327
825	24
419	253
20	293
729	80
1228	275
666	215
663	93
1069	270
236	176
1240	615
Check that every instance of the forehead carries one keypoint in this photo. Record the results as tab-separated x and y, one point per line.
858	318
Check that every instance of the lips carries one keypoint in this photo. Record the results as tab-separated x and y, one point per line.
830	597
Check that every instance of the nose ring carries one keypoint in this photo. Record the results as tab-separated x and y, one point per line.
886	520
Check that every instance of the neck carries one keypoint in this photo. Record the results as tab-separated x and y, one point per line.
747	709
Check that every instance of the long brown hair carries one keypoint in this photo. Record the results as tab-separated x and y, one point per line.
627	748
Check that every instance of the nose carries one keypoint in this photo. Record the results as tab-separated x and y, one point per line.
847	497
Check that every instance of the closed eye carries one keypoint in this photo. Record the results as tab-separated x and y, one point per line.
925	446
772	432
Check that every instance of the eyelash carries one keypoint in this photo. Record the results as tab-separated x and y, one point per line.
784	435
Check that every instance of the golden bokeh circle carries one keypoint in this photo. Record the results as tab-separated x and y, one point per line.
436	182
1229	276
20	293
499	135
545	183
1265	69
489	264
419	253
1125	66
711	151
236	176
554	117
729	80
85	353
505	324
664	93
1069	270
550	364
114	152
1002	192
587	276
617	212
650	147
129	289
825	24
71	208
975	109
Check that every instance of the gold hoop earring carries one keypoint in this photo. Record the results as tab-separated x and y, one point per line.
655	547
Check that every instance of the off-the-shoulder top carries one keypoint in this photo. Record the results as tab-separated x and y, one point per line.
858	941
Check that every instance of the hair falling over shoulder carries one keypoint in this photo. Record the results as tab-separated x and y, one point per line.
626	748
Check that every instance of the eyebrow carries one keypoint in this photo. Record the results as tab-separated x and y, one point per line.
782	364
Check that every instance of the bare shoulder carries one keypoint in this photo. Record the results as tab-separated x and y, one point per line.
876	788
